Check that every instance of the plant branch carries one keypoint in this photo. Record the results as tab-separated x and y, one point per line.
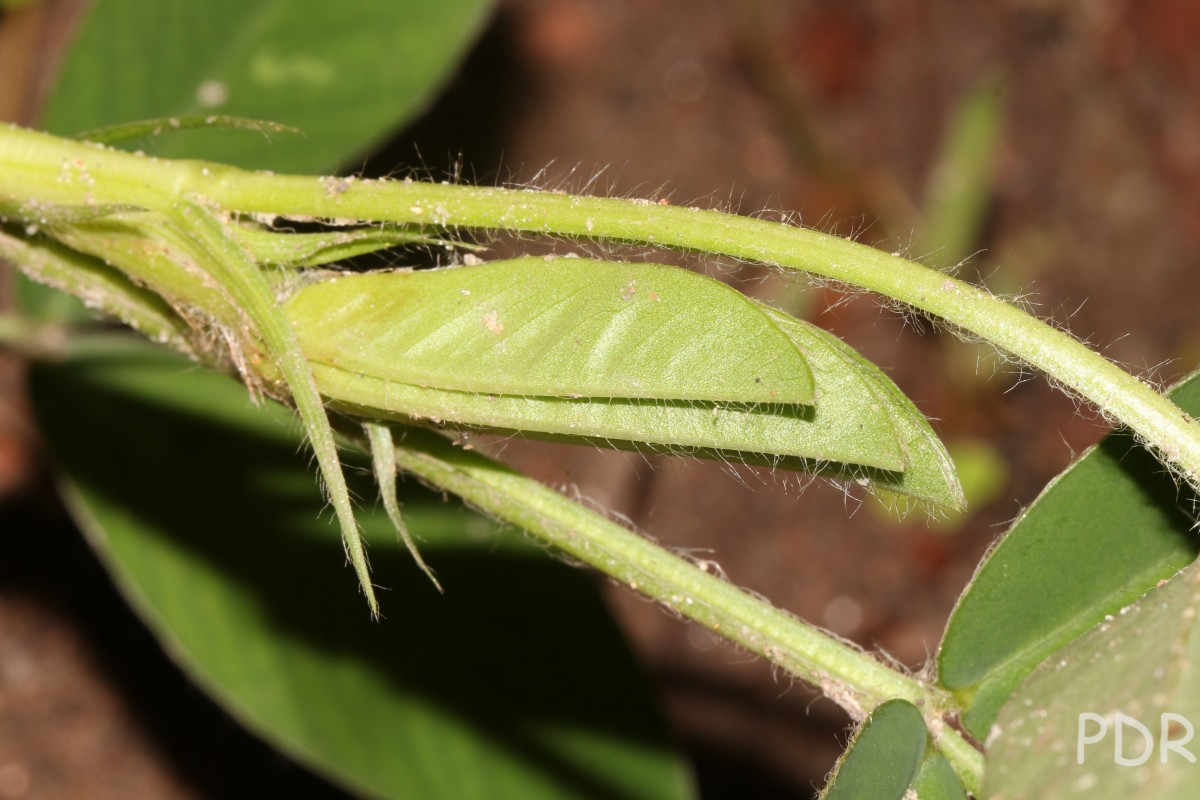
850	677
1119	395
40	174
37	170
98	286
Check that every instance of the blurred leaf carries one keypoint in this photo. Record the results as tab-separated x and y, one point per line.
884	756
345	74
981	468
567	327
515	684
1137	669
960	185
1100	535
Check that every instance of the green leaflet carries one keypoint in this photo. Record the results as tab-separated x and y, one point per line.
860	419
563	328
891	757
1059	737
936	779
884	756
1100	535
928	474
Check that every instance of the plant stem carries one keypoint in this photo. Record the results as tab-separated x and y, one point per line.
37	170
39	174
850	677
98	286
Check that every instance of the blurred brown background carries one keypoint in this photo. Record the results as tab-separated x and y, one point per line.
835	110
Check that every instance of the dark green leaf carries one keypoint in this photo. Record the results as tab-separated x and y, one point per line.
884	756
344	73
1099	536
936	779
515	684
1059	735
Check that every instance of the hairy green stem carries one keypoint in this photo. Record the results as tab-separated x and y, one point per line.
850	677
98	286
40	171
